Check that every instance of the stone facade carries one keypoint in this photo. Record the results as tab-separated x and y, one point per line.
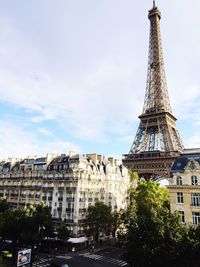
184	187
68	184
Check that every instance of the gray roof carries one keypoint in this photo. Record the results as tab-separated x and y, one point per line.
185	157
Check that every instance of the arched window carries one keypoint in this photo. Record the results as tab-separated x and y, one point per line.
179	180
194	180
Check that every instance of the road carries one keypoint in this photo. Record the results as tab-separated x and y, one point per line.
104	258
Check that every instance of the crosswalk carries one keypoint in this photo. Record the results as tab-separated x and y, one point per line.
114	261
42	262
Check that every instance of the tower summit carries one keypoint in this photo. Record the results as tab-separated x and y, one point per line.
157	142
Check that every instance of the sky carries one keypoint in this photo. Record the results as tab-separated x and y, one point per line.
73	73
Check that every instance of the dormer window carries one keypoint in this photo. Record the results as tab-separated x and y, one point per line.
179	180
194	180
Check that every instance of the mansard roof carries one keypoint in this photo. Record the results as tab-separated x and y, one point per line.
61	163
188	155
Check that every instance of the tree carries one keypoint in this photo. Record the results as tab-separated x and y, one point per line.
4	205
99	219
25	226
149	195
4	209
40	217
153	236
62	231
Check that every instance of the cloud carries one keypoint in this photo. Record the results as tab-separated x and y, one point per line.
16	142
88	109
45	132
85	69
193	141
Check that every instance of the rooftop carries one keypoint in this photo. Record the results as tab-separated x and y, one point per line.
187	155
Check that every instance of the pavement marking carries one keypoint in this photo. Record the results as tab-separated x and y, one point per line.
124	264
64	257
42	262
104	259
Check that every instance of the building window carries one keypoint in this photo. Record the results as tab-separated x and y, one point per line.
178	164
196	217
195	199
179	180
182	216
194	180
180	197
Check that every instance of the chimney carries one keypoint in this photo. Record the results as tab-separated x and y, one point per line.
100	158
93	157
111	159
71	153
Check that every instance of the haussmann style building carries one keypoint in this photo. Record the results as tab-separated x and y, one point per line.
68	184
184	187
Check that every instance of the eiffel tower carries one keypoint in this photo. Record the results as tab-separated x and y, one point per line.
157	142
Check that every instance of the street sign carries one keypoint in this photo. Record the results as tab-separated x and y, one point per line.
24	257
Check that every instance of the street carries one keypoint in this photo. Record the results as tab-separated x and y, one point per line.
103	258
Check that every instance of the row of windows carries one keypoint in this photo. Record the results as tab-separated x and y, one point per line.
195	217
195	199
194	180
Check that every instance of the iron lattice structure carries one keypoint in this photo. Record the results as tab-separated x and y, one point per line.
157	143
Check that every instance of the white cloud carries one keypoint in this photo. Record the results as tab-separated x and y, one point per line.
45	132
85	67
193	141
88	109
16	142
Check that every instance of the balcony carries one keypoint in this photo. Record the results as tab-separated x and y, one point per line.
82	199
57	219
195	205
70	199
61	188
70	188
69	210
49	188
69	220
82	221
12	195
82	210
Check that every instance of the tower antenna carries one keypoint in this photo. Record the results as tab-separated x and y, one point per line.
154	3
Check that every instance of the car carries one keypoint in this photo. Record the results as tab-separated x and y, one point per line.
6	254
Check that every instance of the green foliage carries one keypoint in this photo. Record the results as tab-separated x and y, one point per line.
99	219
134	178
62	231
4	206
150	195
25	226
152	236
4	209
